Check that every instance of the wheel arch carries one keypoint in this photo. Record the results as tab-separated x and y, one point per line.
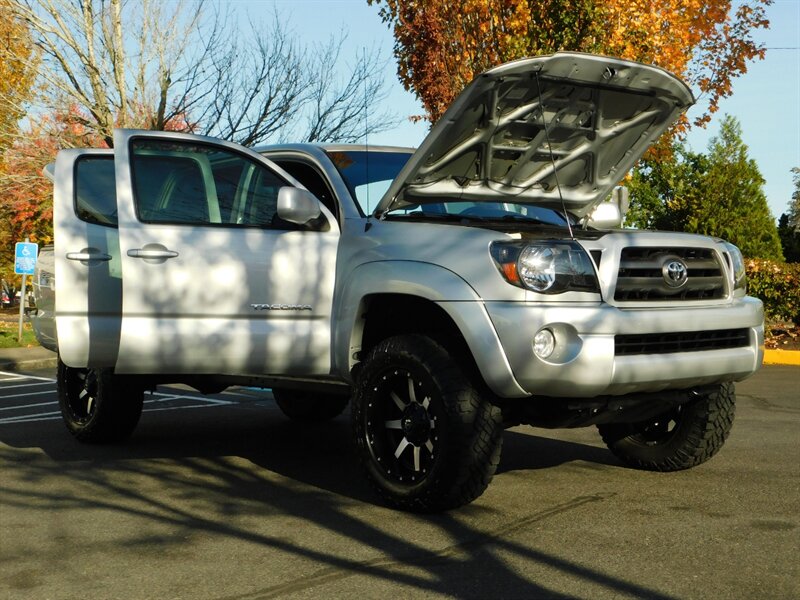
387	315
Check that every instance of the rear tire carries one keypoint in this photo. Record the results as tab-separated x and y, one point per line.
98	406
682	438
301	405
425	437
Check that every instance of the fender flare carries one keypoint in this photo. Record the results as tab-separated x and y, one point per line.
429	282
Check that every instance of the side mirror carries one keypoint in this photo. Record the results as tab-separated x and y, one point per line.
610	214
620	196
297	205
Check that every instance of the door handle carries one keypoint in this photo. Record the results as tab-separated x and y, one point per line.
151	254
86	256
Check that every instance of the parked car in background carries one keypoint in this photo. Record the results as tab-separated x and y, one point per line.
43	293
7	295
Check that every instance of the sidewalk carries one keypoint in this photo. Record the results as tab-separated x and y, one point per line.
25	359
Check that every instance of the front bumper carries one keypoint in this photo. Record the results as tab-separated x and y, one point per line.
585	364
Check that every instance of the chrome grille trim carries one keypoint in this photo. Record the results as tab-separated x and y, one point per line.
640	278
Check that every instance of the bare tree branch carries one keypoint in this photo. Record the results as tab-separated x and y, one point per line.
176	66
344	111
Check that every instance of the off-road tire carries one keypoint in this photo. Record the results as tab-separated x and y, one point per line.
307	406
680	439
425	437
98	406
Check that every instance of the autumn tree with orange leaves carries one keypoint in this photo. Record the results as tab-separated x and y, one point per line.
26	208
18	59
441	45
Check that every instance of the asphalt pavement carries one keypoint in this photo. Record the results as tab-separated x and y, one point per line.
223	497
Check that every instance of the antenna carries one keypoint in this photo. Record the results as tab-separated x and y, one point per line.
552	158
366	141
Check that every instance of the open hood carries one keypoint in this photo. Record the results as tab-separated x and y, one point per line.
491	145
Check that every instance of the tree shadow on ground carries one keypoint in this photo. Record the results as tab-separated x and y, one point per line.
186	473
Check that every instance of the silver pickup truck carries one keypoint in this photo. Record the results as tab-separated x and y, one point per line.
479	282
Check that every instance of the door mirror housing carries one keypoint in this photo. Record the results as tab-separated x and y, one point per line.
610	214
297	205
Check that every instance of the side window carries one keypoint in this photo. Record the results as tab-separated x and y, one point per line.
261	205
95	190
172	189
194	184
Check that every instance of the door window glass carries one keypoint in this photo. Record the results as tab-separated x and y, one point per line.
95	190
194	184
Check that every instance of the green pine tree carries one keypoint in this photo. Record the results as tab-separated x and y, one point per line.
659	189
730	202
718	194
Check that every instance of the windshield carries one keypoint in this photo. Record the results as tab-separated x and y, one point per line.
368	174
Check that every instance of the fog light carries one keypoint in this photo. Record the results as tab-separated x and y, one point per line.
544	343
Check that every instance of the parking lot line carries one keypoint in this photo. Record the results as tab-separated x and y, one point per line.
16	376
164	398
167	397
208	405
32	413
48	416
28	406
56	415
8	387
29	394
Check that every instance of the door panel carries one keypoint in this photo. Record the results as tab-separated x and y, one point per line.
87	258
213	280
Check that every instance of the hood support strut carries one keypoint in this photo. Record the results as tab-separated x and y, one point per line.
552	158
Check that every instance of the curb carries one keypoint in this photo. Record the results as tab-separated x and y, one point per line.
27	359
782	357
29	365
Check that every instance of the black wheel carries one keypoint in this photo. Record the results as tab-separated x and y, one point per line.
98	406
682	438
425	437
309	406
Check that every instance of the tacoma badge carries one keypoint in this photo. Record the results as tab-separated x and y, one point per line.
281	307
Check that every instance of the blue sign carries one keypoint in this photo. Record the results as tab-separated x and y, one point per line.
25	258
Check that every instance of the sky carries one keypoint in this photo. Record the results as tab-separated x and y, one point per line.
766	99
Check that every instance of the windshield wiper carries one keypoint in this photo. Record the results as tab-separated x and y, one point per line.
517	219
433	216
523	219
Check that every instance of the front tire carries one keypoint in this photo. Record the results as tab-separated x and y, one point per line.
682	438
425	437
96	405
301	405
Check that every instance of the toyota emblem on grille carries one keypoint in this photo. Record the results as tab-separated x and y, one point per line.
674	272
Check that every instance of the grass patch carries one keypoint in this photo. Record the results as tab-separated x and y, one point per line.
9	330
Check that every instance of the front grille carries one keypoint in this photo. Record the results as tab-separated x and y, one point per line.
690	341
641	279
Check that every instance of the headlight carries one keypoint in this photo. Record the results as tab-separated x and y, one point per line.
738	273
547	267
